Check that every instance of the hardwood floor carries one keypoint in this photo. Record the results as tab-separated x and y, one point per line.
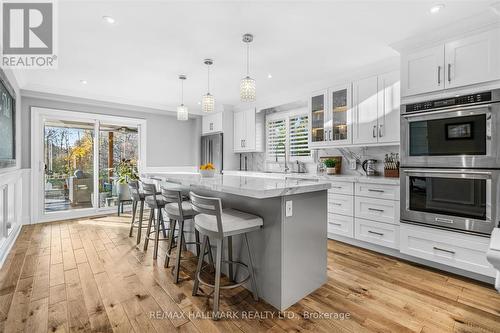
88	276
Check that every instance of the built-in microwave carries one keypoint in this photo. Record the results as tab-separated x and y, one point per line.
458	132
466	200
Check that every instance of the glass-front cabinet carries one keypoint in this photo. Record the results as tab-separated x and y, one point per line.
318	109
340	108
331	117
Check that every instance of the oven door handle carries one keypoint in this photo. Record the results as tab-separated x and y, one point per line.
481	174
445	110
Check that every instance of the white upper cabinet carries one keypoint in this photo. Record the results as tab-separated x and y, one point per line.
248	132
457	63
211	123
473	59
422	71
339	124
388	107
365	104
318	124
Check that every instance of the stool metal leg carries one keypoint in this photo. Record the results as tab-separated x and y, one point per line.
162	224
179	251
197	238
230	258
171	235
118	207
150	222
157	234
201	257
218	261
139	230
134	208
251	271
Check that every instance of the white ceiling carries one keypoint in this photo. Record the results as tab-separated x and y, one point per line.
136	61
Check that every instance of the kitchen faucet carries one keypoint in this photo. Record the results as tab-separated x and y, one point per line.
284	149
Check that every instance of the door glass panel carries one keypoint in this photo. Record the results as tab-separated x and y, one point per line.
449	136
339	114
318	118
117	144
69	165
448	196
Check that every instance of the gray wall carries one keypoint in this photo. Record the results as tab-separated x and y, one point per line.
169	142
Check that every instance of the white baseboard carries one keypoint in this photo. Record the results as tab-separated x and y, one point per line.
8	243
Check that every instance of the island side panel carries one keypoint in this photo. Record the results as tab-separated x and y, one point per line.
265	244
305	246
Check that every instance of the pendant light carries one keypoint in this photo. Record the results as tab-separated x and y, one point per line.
182	110
208	101
247	85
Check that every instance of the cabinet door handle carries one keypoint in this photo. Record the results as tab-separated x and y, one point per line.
375	233
375	190
338	187
439	75
449	73
443	250
334	223
380	131
374	132
336	204
376	209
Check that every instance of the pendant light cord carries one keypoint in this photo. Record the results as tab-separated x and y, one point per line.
182	92
208	78
248	58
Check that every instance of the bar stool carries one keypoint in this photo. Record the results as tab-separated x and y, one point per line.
155	203
178	210
137	199
214	223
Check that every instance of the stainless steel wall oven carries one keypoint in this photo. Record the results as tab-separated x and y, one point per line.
450	157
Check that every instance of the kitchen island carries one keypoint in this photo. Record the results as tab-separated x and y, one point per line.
290	252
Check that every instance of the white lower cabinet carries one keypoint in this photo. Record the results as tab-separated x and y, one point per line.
341	204
377	233
453	249
341	225
379	210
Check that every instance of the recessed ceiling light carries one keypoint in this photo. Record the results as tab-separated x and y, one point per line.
436	8
83	81
109	19
199	103
269	76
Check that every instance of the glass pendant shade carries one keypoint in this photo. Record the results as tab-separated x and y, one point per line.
208	103
247	89
182	112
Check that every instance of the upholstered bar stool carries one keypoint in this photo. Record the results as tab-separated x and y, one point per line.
137	200
217	224
178	210
155	203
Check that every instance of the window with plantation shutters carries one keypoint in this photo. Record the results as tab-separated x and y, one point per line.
290	133
298	136
276	138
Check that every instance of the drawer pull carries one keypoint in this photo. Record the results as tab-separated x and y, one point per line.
374	190
334	223
443	250
375	233
376	209
338	187
336	204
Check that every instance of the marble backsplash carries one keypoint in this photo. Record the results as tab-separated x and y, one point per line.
257	161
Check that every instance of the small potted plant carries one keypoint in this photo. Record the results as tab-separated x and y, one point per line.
330	166
125	171
207	170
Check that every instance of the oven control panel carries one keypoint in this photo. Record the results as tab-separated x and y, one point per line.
447	102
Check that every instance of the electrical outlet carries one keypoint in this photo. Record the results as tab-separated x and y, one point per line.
289	208
352	164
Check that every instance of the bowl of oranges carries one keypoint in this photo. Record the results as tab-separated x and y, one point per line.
207	170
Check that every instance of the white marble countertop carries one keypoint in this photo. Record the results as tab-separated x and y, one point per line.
244	185
324	177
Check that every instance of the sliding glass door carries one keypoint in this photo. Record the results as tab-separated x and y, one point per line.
69	165
78	157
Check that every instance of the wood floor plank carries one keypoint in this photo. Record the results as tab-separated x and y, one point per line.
88	275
